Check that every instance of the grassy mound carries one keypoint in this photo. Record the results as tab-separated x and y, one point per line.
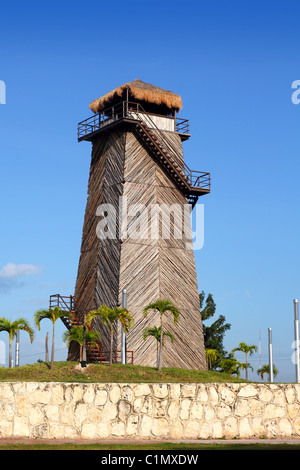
118	373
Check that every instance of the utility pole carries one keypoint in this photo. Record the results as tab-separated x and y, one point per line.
17	361
270	354
123	335
296	331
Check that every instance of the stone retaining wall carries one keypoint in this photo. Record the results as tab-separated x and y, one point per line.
177	411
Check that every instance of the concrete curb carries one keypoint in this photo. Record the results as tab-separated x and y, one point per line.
148	441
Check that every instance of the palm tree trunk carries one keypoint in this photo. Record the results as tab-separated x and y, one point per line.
46	347
160	345
246	367
111	343
9	360
52	352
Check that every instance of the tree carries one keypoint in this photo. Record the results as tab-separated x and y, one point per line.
46	348
265	369
245	366
245	348
230	365
156	333
52	314
211	355
213	334
12	327
162	306
109	316
76	334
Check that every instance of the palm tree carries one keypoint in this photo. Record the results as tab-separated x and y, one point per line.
12	327
245	366
76	334
52	314
109	316
211	355
162	306
265	369
156	333
230	365
245	348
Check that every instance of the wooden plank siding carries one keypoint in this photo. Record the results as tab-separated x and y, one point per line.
148	268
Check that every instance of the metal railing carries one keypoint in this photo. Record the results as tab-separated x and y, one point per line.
124	109
135	112
194	179
197	179
66	303
182	126
129	357
104	356
97	121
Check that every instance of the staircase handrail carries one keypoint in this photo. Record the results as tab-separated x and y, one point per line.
187	174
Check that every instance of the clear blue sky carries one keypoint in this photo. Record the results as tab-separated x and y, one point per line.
233	64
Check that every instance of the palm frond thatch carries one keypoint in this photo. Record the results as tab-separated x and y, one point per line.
139	91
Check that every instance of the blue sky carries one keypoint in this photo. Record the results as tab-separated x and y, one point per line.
233	63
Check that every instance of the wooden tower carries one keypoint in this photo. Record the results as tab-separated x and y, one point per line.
137	158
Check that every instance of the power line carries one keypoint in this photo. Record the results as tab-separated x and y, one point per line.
43	352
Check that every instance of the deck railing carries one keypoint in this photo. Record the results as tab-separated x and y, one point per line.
125	109
129	357
135	112
182	126
66	303
197	179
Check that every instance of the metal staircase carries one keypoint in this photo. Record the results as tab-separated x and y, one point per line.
95	353
193	184
72	318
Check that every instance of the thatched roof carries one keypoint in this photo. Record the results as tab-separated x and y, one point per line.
142	92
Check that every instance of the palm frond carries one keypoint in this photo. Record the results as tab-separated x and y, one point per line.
162	306
52	314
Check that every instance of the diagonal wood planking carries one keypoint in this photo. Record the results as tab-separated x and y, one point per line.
148	268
